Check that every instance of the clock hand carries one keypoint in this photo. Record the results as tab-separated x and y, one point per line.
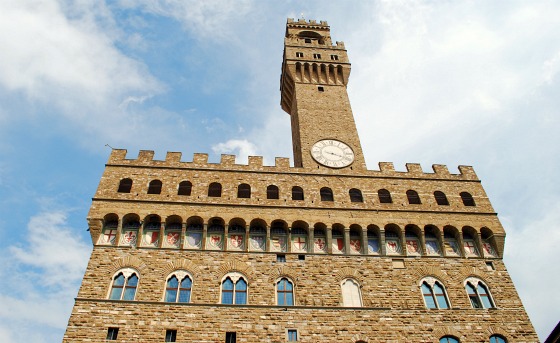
332	153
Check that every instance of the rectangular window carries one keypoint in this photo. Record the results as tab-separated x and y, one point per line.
112	334
490	266
398	263
292	335
299	54
317	56
280	258
301	257
307	40
170	335
334	57
230	337
320	89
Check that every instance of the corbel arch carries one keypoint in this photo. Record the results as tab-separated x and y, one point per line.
127	261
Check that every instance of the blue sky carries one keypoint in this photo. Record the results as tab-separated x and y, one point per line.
457	83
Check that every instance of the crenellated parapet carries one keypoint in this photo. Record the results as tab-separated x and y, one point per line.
172	160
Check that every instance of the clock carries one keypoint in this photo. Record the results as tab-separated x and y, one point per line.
332	153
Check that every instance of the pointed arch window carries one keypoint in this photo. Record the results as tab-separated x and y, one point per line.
478	294
297	193
356	195
441	199
185	188
448	339
467	198
244	191
413	197
154	187
351	296
178	287
234	289
285	292
272	192
434	294
326	194
497	339
124	285
125	185
384	196
215	190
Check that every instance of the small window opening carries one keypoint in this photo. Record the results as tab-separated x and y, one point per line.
441	199
317	56
244	191
490	266
154	187
413	197
272	192
297	193
299	54
308	40
215	190
467	199
301	257
170	335
125	185
321	89
185	188
292	336
280	258
112	334
384	196
230	337
334	57
326	194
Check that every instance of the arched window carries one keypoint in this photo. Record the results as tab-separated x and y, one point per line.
448	339
497	339
285	292
467	199
356	195
244	191
272	192
434	294
178	291
351	293
413	197
215	190
297	193
185	188
478	293
326	194
124	285
154	187
441	199
125	185
384	196
234	289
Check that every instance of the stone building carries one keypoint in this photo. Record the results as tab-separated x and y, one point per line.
323	251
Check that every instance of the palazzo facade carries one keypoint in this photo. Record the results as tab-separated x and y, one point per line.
322	251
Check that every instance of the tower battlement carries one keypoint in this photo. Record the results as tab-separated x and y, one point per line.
282	165
304	23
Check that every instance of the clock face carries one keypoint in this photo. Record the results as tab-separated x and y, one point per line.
332	153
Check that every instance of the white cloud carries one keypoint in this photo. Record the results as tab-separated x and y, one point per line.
40	276
241	148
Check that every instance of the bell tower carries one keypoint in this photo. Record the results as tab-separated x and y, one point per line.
313	85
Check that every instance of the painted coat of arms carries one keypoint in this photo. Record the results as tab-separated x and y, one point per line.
338	244
109	236
172	239
451	248
355	245
257	243
432	248
299	243
488	249
129	237
320	245
412	246
373	246
279	243
215	241
151	237
194	239
236	241
393	247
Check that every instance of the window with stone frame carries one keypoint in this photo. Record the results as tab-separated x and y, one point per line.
244	191
351	295
125	185
498	339
154	187
272	192
112	334
297	193
124	285
434	293
234	289
326	194
384	196
467	199
441	198
284	292
185	188
478	293
413	197
178	287
215	190
356	195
